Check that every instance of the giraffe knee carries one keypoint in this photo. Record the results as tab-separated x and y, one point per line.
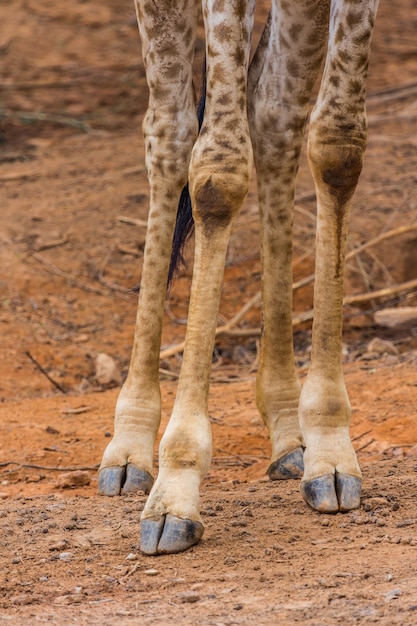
336	161
217	197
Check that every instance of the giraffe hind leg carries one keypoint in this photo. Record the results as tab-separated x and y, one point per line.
170	130
332	478
281	78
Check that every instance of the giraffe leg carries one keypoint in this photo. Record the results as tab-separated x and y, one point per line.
281	79
219	177
170	129
337	138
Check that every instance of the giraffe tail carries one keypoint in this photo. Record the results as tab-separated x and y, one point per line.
184	225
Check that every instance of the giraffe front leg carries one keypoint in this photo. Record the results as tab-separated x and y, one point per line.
170	130
220	169
171	520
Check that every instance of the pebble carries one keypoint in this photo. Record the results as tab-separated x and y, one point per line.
22	599
81	338
107	371
151	572
382	346
65	556
58	545
188	597
72	598
131	556
392	595
78	478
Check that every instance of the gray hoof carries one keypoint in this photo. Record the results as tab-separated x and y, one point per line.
127	479
331	493
168	534
289	466
348	489
137	480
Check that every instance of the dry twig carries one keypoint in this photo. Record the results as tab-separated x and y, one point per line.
33	116
44	372
105	282
19	176
49	467
71	279
131	220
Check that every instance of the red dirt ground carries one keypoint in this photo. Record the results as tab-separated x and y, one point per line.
72	96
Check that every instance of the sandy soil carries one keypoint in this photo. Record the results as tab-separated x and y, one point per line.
72	95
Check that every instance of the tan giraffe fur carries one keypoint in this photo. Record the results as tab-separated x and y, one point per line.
253	113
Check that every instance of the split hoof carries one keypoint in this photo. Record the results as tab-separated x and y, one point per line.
168	534
331	493
289	466
127	479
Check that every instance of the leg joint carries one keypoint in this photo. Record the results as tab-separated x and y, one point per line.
336	161
217	197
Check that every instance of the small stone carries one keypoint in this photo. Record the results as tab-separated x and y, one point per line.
382	346
395	540
397	453
52	431
22	598
392	595
81	338
72	598
131	556
373	503
58	545
65	556
78	478
107	371
188	597
151	572
411	451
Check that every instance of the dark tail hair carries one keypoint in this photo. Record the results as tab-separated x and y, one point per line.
184	224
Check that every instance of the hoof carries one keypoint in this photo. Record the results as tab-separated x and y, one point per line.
348	489
289	466
137	480
168	534
115	480
331	493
